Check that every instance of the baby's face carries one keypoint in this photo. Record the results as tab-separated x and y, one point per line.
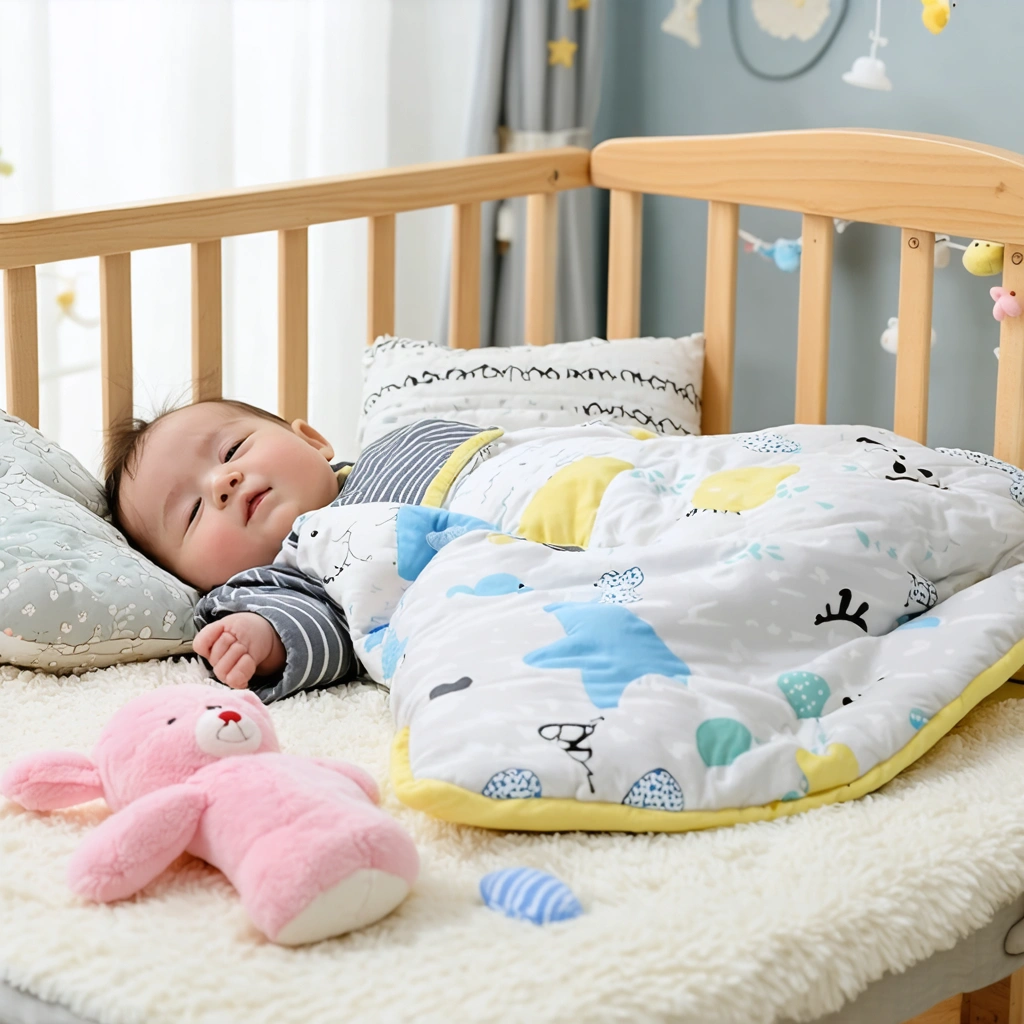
215	490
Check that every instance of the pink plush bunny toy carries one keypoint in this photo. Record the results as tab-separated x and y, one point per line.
197	768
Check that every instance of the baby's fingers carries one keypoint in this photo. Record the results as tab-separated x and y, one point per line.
204	640
238	678
222	645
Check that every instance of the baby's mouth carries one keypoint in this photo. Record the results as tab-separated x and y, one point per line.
254	503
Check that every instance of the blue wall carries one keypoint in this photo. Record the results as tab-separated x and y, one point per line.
959	83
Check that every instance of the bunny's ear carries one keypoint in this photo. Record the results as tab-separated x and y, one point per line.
52	779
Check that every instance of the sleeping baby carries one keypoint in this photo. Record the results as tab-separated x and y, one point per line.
860	531
210	491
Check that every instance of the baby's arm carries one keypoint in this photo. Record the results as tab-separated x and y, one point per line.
312	632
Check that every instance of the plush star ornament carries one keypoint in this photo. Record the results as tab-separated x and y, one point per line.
561	51
579	5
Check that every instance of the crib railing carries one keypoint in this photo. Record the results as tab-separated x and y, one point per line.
202	222
921	184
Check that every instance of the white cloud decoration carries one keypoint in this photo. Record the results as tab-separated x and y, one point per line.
788	19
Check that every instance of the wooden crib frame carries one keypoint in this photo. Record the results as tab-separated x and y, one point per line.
921	184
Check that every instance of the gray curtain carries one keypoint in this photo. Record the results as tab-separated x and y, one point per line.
521	102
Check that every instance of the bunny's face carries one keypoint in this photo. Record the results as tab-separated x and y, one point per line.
166	736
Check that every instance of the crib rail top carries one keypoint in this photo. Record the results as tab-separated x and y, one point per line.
927	182
46	238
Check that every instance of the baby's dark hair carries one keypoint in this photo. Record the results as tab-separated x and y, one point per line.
123	446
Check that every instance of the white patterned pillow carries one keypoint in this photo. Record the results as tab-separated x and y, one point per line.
653	383
73	594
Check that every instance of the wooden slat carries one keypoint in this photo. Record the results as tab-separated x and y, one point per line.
1015	1010
541	268
380	277
116	338
719	318
625	247
206	321
464	312
21	344
935	184
813	322
1009	438
913	355
946	1012
28	241
292	323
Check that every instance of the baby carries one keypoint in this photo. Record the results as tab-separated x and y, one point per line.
210	491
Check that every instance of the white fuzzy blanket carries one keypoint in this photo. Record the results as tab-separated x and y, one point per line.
748	924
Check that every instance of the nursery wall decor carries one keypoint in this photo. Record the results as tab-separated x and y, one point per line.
789	19
682	22
786	19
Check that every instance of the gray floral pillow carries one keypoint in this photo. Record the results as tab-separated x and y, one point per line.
73	594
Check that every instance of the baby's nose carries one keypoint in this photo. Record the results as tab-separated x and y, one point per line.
226	485
230	716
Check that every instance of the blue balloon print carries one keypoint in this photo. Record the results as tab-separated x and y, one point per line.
928	623
658	790
496	585
513	784
421	531
392	652
917	717
529	895
610	646
721	740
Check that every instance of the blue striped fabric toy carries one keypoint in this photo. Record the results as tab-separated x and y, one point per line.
529	895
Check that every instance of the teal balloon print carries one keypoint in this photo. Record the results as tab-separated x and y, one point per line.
721	740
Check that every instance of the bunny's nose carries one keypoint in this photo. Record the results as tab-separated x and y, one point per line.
230	716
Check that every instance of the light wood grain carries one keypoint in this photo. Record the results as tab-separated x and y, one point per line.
541	268
292	324
1009	434
946	1012
923	181
464	311
21	343
1015	1009
32	240
116	338
625	247
206	321
813	319
913	356
380	277
719	318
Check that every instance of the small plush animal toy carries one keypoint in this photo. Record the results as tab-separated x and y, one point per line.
1006	303
198	769
983	259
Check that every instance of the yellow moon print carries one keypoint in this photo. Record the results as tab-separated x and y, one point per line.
737	490
564	509
836	767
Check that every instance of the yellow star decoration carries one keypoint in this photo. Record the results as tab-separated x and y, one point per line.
561	51
6	169
579	5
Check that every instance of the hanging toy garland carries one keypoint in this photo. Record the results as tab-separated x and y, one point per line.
980	258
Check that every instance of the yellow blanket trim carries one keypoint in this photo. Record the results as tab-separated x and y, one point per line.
452	803
456	463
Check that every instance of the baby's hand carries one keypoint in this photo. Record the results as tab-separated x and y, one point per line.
239	646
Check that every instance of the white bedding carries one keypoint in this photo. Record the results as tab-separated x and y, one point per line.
747	925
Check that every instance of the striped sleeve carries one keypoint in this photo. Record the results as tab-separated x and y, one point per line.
316	639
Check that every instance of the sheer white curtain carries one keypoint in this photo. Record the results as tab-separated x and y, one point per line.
111	101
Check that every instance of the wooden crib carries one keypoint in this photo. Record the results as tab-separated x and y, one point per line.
920	184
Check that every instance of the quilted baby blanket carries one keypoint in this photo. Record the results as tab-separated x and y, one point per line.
597	628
